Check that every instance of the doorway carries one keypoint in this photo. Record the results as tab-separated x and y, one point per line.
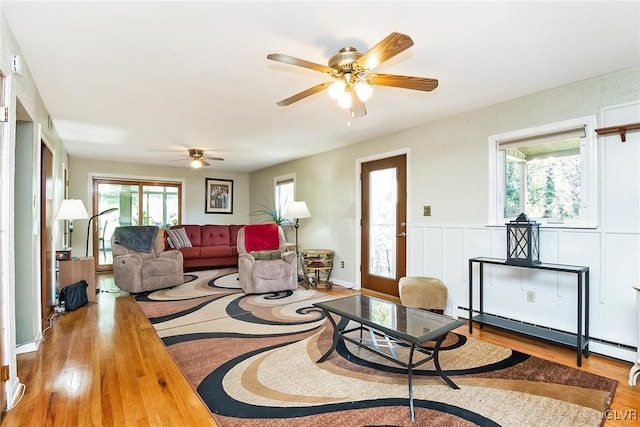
47	273
118	202
384	224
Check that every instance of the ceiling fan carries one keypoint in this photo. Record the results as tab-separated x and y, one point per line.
198	158
353	79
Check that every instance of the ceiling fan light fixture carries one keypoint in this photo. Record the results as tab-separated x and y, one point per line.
196	163
350	70
345	100
336	89
363	90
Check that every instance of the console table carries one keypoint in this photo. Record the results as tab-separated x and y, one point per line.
579	341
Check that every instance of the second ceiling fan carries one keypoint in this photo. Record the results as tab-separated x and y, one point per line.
198	158
352	73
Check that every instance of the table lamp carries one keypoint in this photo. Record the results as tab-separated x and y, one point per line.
69	210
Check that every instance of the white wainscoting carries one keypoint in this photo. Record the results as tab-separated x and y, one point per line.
443	251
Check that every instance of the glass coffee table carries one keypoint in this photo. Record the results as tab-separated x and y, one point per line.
384	327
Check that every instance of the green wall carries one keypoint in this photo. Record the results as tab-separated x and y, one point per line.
447	164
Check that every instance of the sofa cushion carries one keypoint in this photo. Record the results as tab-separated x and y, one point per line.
267	270
215	235
233	234
266	255
177	238
205	254
190	253
215	251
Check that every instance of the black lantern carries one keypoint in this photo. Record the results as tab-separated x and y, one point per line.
523	241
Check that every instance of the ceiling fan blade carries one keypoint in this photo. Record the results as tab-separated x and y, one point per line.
405	82
357	106
215	159
204	163
299	62
301	95
389	47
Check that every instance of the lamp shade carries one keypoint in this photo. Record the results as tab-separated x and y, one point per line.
71	209
297	210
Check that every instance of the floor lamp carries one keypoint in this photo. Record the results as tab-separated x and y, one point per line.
69	210
297	210
89	226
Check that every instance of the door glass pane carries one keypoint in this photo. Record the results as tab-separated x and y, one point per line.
125	199
382	218
159	205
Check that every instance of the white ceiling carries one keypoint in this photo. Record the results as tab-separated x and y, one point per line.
144	81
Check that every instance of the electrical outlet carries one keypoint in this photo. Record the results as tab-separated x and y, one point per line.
531	295
426	211
341	264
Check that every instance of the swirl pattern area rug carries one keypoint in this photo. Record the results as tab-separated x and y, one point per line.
252	359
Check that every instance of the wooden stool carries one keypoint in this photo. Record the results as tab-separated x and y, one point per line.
423	292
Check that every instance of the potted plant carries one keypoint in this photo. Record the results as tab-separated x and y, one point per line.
274	214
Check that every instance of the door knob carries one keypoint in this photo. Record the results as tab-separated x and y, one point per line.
403	234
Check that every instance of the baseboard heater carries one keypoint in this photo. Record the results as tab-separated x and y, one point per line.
591	338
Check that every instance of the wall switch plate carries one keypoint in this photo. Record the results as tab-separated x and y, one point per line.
427	211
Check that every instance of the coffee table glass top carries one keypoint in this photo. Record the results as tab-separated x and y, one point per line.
411	324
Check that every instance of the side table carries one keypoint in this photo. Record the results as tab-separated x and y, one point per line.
317	264
76	269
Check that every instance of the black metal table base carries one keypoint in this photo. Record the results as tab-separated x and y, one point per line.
409	365
578	340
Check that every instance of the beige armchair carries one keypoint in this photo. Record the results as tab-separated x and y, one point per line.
265	266
136	272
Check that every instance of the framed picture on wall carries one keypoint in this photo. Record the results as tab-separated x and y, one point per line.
218	196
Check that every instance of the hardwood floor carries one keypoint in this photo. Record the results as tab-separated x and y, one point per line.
104	365
625	408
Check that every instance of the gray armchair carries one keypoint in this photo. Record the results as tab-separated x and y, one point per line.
136	272
270	269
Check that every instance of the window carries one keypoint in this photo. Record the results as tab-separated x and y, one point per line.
548	172
285	192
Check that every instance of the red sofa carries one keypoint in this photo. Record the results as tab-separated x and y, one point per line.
212	245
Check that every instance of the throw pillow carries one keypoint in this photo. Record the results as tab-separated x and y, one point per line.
177	238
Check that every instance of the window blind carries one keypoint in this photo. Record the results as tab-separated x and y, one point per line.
577	132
